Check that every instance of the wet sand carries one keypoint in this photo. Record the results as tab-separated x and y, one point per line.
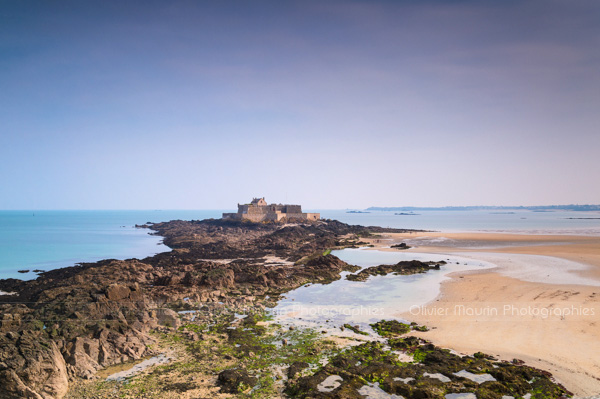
541	304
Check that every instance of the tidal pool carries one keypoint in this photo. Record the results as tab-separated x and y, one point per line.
373	391
380	297
126	371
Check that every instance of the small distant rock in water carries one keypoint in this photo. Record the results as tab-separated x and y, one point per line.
400	268
402	245
24	271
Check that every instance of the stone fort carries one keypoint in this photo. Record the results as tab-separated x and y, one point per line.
259	211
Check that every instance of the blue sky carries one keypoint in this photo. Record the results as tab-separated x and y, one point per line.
331	104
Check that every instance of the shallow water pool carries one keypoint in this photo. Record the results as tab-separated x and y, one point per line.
379	297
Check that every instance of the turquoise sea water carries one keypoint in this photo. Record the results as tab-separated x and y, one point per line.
51	239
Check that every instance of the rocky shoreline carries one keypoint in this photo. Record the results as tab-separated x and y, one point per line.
57	331
70	322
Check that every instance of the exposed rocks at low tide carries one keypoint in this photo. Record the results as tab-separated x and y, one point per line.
205	300
434	373
223	355
400	268
69	323
235	380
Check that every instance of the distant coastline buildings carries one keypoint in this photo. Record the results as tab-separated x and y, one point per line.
259	211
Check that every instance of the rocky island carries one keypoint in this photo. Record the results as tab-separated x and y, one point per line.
203	303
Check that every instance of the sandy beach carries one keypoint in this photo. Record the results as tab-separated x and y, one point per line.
541	304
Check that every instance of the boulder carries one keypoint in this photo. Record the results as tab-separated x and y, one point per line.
14	388
117	292
37	370
234	381
82	354
219	278
296	368
168	317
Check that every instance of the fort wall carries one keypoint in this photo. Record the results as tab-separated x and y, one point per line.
258	210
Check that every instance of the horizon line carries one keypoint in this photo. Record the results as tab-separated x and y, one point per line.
314	208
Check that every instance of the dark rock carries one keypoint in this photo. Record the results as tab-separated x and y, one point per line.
116	292
168	317
107	308
355	329
296	368
390	328
235	381
400	268
371	362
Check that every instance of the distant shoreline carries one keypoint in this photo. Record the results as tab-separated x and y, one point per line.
534	208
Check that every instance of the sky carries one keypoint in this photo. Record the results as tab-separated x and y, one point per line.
328	104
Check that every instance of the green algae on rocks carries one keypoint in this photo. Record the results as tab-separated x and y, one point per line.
434	373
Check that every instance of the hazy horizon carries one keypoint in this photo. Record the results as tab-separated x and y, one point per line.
328	104
305	208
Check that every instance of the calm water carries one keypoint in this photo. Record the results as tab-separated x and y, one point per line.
50	239
557	222
380	297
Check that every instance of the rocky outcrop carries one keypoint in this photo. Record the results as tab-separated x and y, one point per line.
31	367
82	354
400	268
70	328
68	323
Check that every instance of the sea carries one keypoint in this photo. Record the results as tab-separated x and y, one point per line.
45	240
